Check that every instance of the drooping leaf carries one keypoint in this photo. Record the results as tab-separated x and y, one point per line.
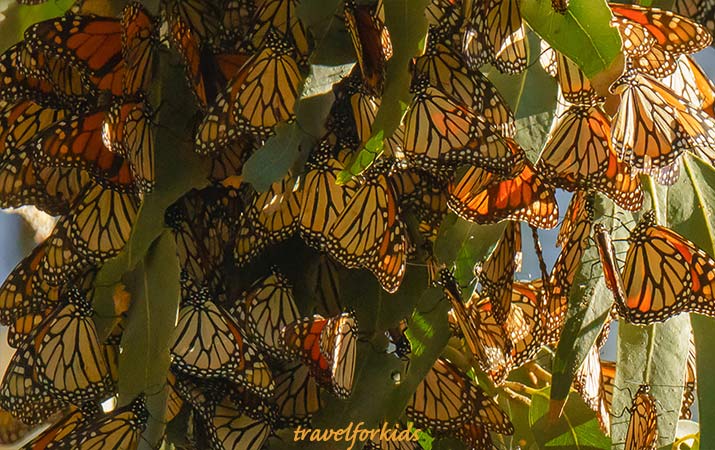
583	32
144	360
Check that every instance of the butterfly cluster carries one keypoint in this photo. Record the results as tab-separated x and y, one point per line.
249	355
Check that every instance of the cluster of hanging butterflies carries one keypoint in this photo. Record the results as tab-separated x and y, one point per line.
77	141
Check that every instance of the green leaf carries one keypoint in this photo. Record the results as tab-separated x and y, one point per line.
464	243
408	30
323	19
691	212
144	360
577	428
290	146
590	303
15	18
532	132
583	32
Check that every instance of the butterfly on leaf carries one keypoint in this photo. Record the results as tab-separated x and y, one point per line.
655	249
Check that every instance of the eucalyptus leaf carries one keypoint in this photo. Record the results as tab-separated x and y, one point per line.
144	360
576	429
583	32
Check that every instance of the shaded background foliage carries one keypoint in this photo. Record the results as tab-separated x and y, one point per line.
688	207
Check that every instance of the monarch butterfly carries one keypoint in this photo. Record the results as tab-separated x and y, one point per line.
396	438
328	347
674	33
495	349
653	126
481	197
323	279
250	103
229	161
202	19
174	402
323	199
578	155
265	309
496	35
68	355
225	353
91	43
271	217
69	82
61	263
575	86
15	86
127	130
139	36
279	17
567	263
207	72
589	382
77	142
525	324
364	109
485	339
67	424
50	189
607	254
642	431
642	50
460	136
446	70
371	40
203	229
369	233
237	21
691	380
399	344
23	292
101	220
648	301
297	395
694	84
23	395
120	429
232	427
447	399
496	274
23	327
703	11
444	18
